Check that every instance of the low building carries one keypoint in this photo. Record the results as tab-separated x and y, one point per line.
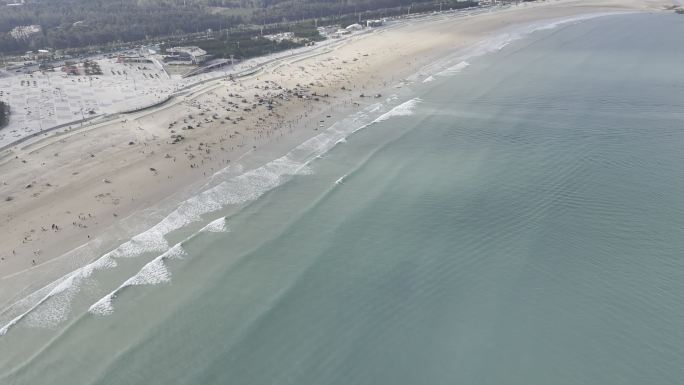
40	55
150	50
328	31
43	54
341	32
195	55
278	37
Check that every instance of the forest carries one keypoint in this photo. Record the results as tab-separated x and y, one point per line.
248	42
98	23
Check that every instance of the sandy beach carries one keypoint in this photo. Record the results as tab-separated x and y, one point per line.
73	188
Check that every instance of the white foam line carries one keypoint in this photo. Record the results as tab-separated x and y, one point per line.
454	69
156	271
404	109
240	189
64	287
218	226
153	273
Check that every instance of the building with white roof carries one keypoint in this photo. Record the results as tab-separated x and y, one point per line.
193	54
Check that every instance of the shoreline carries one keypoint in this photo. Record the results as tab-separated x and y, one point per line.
128	166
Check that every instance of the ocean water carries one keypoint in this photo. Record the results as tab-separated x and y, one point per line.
509	218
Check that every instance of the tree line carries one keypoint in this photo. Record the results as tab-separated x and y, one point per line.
249	42
84	23
290	10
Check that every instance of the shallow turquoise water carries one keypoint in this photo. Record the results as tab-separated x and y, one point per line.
525	225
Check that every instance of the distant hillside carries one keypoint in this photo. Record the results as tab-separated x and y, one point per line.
83	23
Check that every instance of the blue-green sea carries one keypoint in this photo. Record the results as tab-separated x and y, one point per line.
516	220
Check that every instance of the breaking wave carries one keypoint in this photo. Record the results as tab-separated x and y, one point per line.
218	226
51	305
454	69
153	273
405	109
